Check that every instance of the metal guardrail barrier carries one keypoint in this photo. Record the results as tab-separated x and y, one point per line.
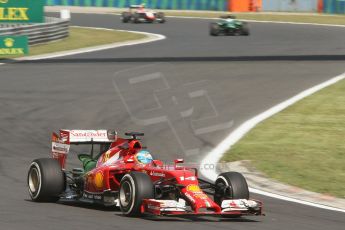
53	29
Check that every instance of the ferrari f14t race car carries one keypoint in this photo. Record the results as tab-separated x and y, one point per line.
120	172
229	25
138	13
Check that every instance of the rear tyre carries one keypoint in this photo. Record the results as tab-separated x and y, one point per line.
214	29
126	17
136	18
46	180
245	29
161	17
134	187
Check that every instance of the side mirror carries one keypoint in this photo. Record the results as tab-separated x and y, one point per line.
178	161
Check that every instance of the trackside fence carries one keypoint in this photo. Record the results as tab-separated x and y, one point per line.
218	5
53	29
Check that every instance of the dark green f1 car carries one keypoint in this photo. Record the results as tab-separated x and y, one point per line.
229	25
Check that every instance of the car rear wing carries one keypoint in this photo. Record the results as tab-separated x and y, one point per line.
135	6
61	142
87	136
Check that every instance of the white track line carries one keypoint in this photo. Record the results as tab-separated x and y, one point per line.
280	197
214	156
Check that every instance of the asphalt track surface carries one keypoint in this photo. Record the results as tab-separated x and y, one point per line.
186	93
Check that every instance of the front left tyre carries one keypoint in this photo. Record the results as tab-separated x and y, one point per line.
46	180
134	187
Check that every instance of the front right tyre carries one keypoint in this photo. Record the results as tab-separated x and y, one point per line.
46	180
136	18
161	17
230	186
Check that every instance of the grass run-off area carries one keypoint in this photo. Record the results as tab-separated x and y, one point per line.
84	37
280	17
303	145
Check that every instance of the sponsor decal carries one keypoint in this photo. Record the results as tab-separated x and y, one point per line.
21	11
193	188
55	138
60	148
207	204
241	203
15	14
106	156
64	136
14	45
196	191
88	135
190	198
191	178
112	135
96	133
98	180
201	196
92	196
153	207
157	174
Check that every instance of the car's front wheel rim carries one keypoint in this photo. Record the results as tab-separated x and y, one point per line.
126	194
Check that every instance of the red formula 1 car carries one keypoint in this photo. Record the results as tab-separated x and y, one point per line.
122	173
138	13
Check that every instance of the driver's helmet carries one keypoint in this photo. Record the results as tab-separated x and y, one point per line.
143	157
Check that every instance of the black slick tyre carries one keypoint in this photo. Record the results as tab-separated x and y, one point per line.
161	17
46	180
134	187
214	29
136	18
230	185
125	17
245	30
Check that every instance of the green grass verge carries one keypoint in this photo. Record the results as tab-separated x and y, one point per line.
303	145
82	38
280	17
